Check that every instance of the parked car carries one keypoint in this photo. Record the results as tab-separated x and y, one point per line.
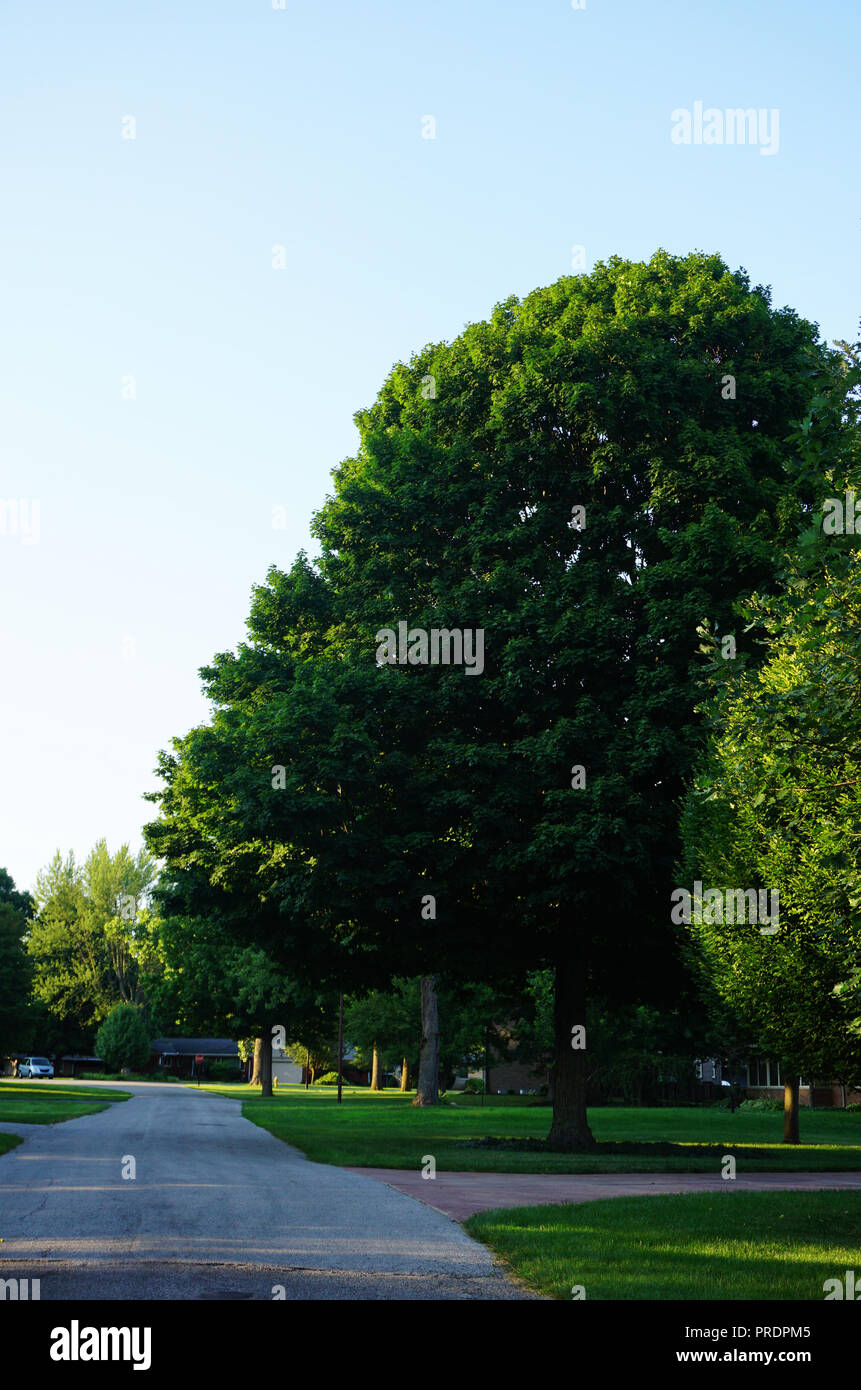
35	1067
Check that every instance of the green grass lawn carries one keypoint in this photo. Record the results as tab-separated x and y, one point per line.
7	1142
47	1103
727	1245
384	1130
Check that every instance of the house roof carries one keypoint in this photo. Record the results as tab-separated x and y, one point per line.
185	1047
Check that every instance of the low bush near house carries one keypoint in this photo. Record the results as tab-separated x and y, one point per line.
225	1071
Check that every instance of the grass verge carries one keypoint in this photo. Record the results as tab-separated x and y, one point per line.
704	1246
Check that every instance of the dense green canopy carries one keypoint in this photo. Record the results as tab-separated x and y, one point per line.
331	797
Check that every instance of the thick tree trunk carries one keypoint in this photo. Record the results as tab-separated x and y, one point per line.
265	1065
790	1112
405	1076
570	1128
255	1066
376	1079
427	1089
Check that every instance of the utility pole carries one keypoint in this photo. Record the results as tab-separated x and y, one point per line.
340	1042
486	1063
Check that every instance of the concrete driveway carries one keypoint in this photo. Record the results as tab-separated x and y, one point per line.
218	1208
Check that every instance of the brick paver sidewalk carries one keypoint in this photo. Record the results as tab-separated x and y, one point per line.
458	1195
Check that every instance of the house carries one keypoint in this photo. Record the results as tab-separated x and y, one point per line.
177	1055
764	1079
76	1063
284	1070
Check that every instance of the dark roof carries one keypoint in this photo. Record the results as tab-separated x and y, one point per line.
185	1047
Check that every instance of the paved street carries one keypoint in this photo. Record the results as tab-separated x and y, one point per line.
218	1209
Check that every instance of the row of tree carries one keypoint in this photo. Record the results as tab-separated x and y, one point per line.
89	965
605	473
361	820
89	948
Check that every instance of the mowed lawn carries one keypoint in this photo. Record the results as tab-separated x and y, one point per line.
384	1130
726	1245
47	1103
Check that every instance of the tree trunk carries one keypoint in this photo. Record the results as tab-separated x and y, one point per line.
790	1112
255	1066
265	1064
405	1076
375	1072
570	1128
427	1089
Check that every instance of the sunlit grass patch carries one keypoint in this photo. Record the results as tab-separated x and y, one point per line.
45	1103
726	1245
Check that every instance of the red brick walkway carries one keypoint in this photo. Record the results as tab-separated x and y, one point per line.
458	1195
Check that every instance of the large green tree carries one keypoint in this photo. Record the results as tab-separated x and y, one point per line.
582	478
16	1012
91	941
777	803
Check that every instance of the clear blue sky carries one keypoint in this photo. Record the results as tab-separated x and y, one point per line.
302	127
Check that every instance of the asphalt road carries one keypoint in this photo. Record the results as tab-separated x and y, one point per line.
218	1208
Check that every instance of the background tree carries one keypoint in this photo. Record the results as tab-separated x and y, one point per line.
778	806
124	1038
213	982
21	901
389	1020
16	1013
91	940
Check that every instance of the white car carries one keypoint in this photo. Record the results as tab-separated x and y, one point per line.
34	1067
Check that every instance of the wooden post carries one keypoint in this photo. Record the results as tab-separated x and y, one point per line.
340	1043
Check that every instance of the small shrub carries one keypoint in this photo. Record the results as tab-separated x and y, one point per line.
329	1079
114	1076
224	1071
474	1086
766	1103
